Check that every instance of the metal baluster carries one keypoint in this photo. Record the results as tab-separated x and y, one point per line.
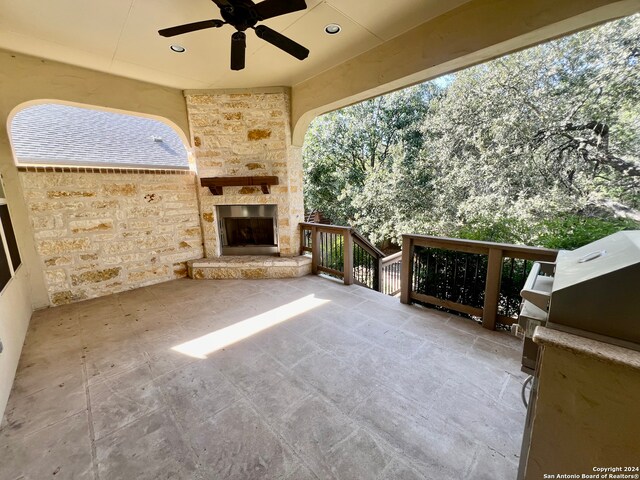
464	279
476	300
511	297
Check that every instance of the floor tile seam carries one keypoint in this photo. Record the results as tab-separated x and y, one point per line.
26	435
113	432
416	464
287	368
416	354
317	392
92	435
355	305
44	344
494	363
489	395
170	405
503	389
269	425
337	445
331	352
422	312
384	306
383	323
156	377
186	439
359	376
48	425
13	397
403	462
300	360
121	394
390	324
290	367
516	349
103	377
50	384
393	451
461	430
472	465
363	339
417	349
388	385
113	376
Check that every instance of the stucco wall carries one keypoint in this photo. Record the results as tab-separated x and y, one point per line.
15	312
102	233
247	133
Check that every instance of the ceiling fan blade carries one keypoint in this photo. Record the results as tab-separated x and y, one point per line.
190	27
238	46
223	3
282	42
273	8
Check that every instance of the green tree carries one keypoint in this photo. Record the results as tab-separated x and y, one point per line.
541	133
506	151
354	159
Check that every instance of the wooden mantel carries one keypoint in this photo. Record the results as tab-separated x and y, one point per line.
215	184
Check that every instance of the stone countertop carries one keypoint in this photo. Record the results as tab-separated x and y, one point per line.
602	351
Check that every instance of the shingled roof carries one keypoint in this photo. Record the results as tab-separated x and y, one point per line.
56	134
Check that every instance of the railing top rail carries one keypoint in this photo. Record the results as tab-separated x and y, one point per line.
324	226
477	245
392	258
367	244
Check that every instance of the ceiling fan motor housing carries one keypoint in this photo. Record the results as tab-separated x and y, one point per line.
241	15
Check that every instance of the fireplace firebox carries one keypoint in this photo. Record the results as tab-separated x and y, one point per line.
248	229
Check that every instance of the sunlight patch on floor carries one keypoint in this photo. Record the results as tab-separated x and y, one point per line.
202	346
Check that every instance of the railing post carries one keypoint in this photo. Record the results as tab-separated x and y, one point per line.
406	271
378	276
347	257
492	289
315	249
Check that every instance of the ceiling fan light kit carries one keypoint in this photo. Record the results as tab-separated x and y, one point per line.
242	15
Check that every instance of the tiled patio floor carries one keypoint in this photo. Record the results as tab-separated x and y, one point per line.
344	383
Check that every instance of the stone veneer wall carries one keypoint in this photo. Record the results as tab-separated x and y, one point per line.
102	233
247	133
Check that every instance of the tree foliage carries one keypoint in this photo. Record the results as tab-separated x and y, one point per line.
504	151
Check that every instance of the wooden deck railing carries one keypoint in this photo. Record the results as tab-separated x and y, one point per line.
343	253
482	279
390	273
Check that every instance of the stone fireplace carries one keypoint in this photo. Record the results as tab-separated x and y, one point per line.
248	229
242	139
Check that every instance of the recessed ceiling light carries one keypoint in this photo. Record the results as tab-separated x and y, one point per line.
178	48
332	28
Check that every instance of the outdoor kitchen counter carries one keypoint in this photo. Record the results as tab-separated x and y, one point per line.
585	346
586	409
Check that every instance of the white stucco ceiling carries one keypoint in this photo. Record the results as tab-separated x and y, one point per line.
120	37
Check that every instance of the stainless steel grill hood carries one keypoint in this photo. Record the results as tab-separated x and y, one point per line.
596	290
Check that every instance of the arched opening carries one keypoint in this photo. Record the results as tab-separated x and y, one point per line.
109	195
52	133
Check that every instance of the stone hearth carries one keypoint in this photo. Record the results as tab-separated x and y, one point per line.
249	266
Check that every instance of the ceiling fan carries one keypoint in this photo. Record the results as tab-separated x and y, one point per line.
244	14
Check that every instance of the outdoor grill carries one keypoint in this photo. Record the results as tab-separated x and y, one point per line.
593	291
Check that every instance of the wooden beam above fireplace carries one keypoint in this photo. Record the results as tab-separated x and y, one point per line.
215	184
